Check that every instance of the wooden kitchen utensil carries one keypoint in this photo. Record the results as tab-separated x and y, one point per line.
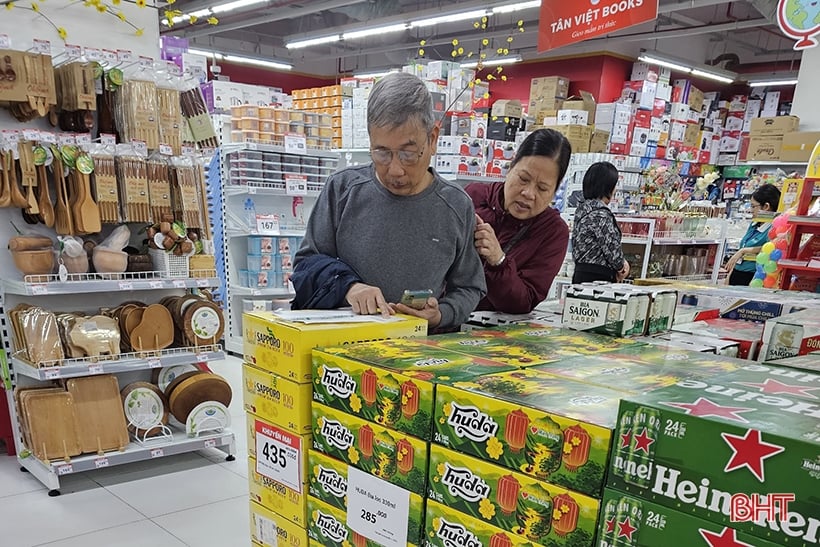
20	396
100	413
29	171
169	389
146	409
63	221
85	212
17	197
53	425
155	331
196	390
44	199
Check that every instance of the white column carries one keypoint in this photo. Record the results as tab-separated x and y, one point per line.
804	104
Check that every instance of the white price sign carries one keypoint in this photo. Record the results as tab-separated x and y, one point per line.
31	134
96	368
377	509
124	55
73	52
146	62
42	47
93	54
166	150
5	41
99	463
267	224
157	453
154	363
156	284
140	147
296	185
126	286
210	443
48	137
83	139
295	144
279	455
201	283
108	139
39	290
65	469
179	283
51	373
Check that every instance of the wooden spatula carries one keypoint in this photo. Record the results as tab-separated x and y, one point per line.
17	197
29	171
62	221
5	191
44	201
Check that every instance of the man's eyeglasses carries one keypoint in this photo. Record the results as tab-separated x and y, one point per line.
384	156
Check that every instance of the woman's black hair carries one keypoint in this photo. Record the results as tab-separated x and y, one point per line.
600	180
549	143
768	193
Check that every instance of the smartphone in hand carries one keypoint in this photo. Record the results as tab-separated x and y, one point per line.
416	299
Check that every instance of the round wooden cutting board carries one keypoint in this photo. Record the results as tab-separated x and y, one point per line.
198	389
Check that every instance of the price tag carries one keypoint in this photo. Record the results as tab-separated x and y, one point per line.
108	139
48	137
157	453
65	139
201	357
267	224
188	150
146	62
99	463
124	55
156	284
208	152
109	56
140	147
202	283
252	190
95	368
295	144
266	531
5	41
31	135
256	292
65	469
93	54
279	455
51	373
377	509
126	286
39	290
83	139
251	145
43	47
154	363
179	283
296	185
166	150
73	52
11	136
210	443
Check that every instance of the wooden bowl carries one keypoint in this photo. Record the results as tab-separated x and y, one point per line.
109	261
38	262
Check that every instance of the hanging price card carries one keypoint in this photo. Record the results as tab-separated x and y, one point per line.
279	455
267	224
83	139
42	47
295	144
296	185
108	139
65	139
48	137
109	56
140	148
93	54
188	150
73	52
124	55
166	150
146	62
31	135
377	509
5	41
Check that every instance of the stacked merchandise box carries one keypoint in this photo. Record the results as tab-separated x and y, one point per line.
746	334
810	361
698	452
766	137
547	96
791	335
277	399
327	103
744	303
373	407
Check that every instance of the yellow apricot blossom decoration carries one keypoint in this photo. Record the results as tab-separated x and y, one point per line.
62	33
9	6
353	455
423	43
494	448
213	20
485	42
421	52
504	78
35	7
355	403
121	16
455	42
486	508
140	3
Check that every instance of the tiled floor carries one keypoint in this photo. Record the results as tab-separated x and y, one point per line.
196	499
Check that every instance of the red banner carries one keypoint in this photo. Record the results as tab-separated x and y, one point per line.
565	22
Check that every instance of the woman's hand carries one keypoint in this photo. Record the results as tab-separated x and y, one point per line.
486	242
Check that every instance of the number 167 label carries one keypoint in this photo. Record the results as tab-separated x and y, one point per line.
279	455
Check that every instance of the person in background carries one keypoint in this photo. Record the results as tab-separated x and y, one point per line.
766	198
596	238
521	239
393	225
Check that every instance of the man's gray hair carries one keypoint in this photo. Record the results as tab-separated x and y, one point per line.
397	99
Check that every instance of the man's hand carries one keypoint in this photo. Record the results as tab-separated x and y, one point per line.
430	311
367	300
486	242
624	272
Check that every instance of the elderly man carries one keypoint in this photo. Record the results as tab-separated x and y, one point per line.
393	225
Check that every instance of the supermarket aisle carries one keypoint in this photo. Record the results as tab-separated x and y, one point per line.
197	499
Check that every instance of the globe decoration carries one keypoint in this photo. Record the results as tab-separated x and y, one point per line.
800	19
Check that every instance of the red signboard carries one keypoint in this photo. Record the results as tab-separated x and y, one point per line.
566	22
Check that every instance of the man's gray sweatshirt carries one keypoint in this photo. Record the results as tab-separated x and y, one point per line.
424	241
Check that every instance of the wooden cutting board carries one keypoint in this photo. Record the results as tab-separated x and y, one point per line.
144	405
196	390
203	323
53	425
155	330
20	395
162	377
172	385
99	412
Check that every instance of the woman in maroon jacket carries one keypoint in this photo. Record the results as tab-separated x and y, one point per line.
521	239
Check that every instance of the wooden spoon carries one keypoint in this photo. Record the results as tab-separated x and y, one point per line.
17	197
5	191
44	201
62	221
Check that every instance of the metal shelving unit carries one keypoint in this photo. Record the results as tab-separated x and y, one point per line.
40	285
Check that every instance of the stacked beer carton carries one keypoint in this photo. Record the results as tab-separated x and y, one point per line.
373	407
277	397
730	459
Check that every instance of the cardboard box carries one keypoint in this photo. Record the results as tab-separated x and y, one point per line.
268	493
392	382
606	310
297	450
572	117
779	125
507	108
576	132
328	483
548	87
690	137
277	400
747	334
585	101
284	347
475	487
764	148
598	142
798	146
396	457
791	335
695	99
270	529
446	527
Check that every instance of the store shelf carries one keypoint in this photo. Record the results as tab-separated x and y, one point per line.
126	362
40	285
671	241
247	291
312	152
471	178
811	222
49	472
775	163
280	233
352	150
798	266
270	189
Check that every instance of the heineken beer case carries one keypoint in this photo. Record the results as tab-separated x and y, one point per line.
693	445
550	428
627	521
514	502
396	457
446	527
391	382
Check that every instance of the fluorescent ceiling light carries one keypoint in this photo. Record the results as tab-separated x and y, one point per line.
773	83
242	59
655	61
313	41
204	53
373	31
494	62
452	18
688	67
368	75
712	76
509	8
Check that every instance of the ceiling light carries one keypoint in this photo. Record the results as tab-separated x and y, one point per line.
509	8
452	18
369	75
258	62
313	41
494	62
655	61
204	53
373	31
773	83
682	65
712	76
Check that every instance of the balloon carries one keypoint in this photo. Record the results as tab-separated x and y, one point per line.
782	244
759	267
760	274
757	283
779	221
773	232
770	267
770	281
762	258
776	255
768	247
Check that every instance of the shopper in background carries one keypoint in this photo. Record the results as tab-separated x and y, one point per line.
766	198
596	238
394	225
521	239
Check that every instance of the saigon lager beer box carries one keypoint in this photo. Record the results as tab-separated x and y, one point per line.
748	335
328	483
392	382
271	529
635	522
725	348
791	335
550	428
514	502
689	314
283	347
446	527
693	445
272	446
396	457
606	310
276	399
277	497
662	305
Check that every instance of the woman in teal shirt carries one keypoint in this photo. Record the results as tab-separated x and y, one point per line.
766	198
